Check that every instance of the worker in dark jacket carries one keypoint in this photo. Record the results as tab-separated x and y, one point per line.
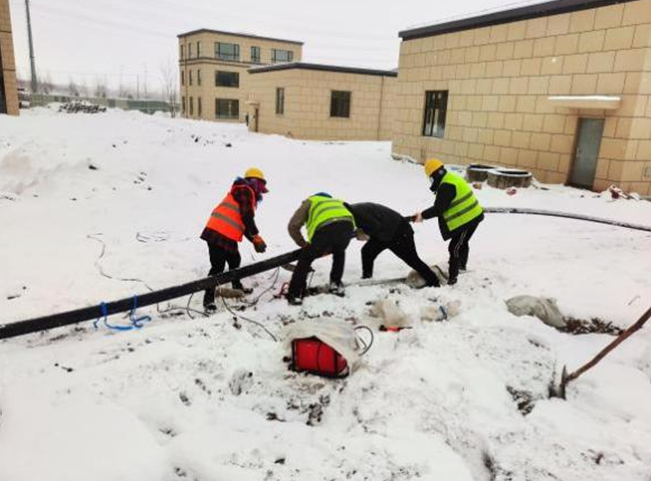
458	212
330	227
231	221
387	229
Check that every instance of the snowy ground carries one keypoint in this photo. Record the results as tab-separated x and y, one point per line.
174	400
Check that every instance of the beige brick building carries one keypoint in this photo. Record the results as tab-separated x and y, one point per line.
322	102
561	88
213	70
8	85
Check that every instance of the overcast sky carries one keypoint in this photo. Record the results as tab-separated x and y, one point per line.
121	39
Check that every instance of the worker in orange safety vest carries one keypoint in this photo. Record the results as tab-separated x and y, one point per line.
232	220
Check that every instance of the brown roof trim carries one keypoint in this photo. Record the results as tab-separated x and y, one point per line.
527	12
243	35
323	68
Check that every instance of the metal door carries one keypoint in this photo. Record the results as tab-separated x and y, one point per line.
587	152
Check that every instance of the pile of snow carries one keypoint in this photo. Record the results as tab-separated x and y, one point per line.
99	207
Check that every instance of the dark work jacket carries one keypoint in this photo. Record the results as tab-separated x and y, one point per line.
377	221
445	194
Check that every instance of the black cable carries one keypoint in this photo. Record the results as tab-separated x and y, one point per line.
366	346
243	318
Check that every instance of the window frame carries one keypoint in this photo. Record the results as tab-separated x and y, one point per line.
199	77
255	59
231	102
189	49
182	51
345	108
235	57
182	77
234	74
190	77
198	49
274	55
191	106
199	109
435	113
280	100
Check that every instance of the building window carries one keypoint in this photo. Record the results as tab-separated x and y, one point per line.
181	51
182	77
278	56
190	50
198	49
198	77
191	106
255	54
227	79
183	104
227	51
436	106
340	104
227	109
189	77
199	106
280	101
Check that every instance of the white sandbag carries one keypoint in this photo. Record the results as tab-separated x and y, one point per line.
416	281
437	313
390	313
337	334
543	308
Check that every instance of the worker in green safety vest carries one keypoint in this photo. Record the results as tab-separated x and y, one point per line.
329	227
458	211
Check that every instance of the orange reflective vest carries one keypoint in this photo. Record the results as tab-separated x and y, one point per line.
226	218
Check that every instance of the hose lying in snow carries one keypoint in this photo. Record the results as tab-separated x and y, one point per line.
566	215
126	305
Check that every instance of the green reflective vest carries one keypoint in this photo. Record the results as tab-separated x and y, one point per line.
465	207
324	210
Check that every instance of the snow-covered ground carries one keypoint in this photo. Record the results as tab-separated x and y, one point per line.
211	399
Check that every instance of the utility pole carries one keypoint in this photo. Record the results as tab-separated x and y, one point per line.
32	62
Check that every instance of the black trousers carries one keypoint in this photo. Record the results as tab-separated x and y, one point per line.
403	246
329	239
218	259
459	249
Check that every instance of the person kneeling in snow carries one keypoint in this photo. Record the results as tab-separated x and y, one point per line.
330	227
458	211
387	229
229	223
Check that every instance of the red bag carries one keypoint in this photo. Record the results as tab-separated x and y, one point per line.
316	357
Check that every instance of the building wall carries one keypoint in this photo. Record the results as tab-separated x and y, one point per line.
307	104
8	61
208	64
499	79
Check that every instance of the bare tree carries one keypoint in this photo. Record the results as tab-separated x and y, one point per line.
73	89
101	89
45	83
169	80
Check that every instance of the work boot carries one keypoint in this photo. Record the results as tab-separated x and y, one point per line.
336	288
238	285
294	301
452	281
210	308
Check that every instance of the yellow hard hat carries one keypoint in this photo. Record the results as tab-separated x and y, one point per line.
432	165
254	173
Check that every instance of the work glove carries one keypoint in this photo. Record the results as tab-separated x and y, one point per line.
417	218
259	244
361	235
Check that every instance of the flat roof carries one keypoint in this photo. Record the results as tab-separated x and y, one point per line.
525	12
323	68
235	34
